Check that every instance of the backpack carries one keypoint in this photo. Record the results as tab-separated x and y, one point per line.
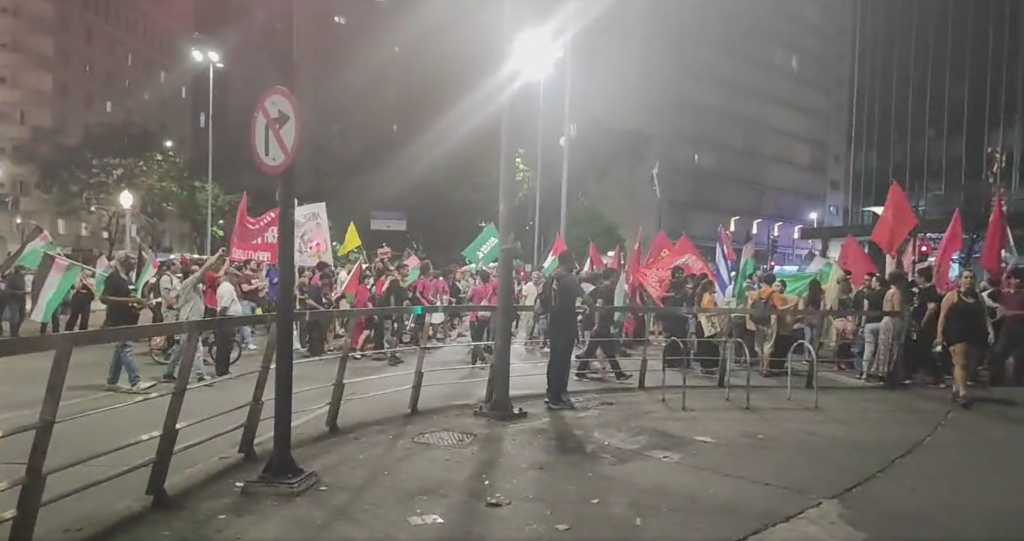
761	311
547	297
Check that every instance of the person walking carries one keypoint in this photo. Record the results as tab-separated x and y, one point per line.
964	328
81	303
186	297
228	305
123	307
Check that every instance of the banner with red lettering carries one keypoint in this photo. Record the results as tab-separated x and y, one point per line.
254	238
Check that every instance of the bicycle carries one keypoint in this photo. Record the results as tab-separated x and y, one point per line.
160	349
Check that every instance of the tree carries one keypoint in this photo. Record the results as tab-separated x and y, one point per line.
87	175
586	224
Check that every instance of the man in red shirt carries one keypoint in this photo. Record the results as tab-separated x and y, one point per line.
210	282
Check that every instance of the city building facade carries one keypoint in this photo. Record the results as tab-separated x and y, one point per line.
743	106
66	64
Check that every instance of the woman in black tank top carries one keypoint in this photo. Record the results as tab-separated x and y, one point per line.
965	329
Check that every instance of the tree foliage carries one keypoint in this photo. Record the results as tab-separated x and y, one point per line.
585	224
87	176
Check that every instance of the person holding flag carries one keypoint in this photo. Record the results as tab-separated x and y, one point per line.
123	307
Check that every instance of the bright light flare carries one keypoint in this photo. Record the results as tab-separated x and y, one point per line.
126	199
534	54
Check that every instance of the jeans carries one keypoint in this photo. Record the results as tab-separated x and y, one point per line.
15	316
600	340
123	358
81	308
175	361
225	341
870	344
245	333
562	340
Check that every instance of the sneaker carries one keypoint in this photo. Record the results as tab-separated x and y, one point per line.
623	377
251	347
582	376
114	388
140	387
560	405
168	378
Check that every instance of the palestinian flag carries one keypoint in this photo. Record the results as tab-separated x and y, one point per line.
748	264
348	289
101	279
54	278
31	251
413	263
552	260
145	269
594	261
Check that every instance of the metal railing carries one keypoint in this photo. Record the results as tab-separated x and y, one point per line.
32	496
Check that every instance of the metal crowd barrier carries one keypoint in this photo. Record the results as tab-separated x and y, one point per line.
31	498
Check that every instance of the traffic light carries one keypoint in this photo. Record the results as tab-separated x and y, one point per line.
923	252
773	245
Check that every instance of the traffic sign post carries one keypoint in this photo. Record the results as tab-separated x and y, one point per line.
274	139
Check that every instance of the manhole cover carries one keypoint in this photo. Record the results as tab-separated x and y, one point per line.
444	438
587	402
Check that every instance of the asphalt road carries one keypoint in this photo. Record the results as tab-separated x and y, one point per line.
22	380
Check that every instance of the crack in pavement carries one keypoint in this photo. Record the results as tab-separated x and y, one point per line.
874	475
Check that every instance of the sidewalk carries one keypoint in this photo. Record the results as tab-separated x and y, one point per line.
872	464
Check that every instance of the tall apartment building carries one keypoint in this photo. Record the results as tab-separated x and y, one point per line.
743	105
70	63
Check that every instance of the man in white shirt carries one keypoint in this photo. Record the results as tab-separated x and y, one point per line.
228	305
187	299
529	298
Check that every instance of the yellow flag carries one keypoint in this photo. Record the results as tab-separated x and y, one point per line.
351	240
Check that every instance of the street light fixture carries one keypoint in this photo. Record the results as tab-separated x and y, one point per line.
213	58
534	54
814	218
127	200
168	144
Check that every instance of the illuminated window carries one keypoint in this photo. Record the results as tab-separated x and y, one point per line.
62	227
163	76
129	59
182	92
110	107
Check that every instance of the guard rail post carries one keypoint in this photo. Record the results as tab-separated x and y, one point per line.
247	444
31	495
746	404
417	378
730	359
686	370
642	380
812	370
338	392
156	487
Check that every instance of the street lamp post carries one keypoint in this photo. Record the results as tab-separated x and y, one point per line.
814	218
533	56
127	199
213	59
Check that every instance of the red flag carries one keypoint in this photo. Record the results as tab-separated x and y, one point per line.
660	248
616	257
684	254
951	243
908	256
853	259
896	221
594	261
995	240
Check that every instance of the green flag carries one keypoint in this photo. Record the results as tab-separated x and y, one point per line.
30	253
484	248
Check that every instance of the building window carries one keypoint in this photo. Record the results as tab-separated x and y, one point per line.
24	188
127	83
183	92
87	68
62	226
833	210
83	229
163	76
129	59
21	117
110	107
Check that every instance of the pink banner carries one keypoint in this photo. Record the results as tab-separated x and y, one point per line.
254	238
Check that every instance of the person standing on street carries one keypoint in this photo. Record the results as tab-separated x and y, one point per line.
529	298
123	307
81	303
251	287
228	305
601	336
16	294
558	300
187	299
